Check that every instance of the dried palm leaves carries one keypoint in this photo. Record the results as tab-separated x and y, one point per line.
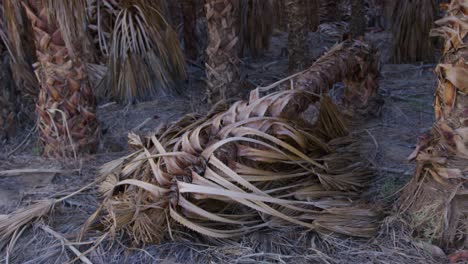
437	196
255	26
412	22
255	165
144	55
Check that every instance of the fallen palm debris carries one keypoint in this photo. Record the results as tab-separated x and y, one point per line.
258	164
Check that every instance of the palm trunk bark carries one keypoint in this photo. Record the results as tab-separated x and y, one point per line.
298	48
66	106
436	198
189	13
8	108
329	12
411	24
222	60
358	19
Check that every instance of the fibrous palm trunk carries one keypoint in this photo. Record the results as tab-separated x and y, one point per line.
329	11
189	13
255	26
358	18
313	13
222	64
411	24
66	105
298	47
437	197
8	99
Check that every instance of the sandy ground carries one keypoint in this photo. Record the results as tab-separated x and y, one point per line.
388	140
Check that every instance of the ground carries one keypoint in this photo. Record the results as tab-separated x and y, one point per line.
387	139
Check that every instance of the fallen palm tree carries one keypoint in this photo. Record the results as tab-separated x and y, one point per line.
437	197
257	164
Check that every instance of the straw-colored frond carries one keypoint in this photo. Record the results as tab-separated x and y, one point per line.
145	58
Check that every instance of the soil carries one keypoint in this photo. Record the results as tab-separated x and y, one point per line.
388	139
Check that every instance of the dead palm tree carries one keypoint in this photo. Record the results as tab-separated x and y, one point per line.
255	26
65	105
358	19
254	165
8	99
298	29
329	11
222	65
436	198
412	21
189	14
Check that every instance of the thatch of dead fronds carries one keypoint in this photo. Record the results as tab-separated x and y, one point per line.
411	23
437	197
255	26
144	54
259	164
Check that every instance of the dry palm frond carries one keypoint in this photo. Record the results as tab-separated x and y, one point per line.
437	196
145	58
19	42
257	164
12	224
412	22
255	26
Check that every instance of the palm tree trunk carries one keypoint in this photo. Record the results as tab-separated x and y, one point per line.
313	10
329	12
358	19
222	63
8	109
436	198
189	13
298	48
66	106
411	24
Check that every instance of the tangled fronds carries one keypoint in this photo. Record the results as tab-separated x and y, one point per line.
143	52
255	26
436	198
258	164
412	22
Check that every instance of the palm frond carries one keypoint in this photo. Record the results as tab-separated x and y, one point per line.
411	24
145	58
256	26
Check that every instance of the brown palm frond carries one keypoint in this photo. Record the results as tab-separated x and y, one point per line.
255	26
18	38
145	58
436	199
257	164
411	24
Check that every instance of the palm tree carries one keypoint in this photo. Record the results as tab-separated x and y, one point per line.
256	165
8	108
358	18
329	11
222	65
298	48
65	106
411	24
189	13
436	197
